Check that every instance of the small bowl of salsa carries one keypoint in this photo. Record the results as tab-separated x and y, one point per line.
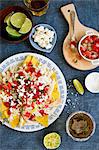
89	48
80	126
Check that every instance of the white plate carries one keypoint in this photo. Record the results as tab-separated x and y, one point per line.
14	60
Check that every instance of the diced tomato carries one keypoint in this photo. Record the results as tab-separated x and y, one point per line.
21	73
8	93
9	85
82	48
10	74
15	82
94	38
9	112
40	84
7	104
30	68
42	112
36	87
35	96
38	74
5	87
13	106
94	55
46	106
87	54
38	103
32	117
46	88
27	114
30	64
32	105
89	39
74	43
0	87
95	47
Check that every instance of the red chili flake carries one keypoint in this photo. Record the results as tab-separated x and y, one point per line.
7	104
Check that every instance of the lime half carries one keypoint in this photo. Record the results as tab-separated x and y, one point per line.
12	32
26	27
52	140
7	19
78	86
17	19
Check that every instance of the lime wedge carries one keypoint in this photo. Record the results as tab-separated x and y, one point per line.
26	27
7	19
52	140
17	19
12	32
78	86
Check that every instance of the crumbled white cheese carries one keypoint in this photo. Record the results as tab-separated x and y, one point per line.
44	37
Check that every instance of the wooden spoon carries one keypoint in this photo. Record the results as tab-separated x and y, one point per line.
73	58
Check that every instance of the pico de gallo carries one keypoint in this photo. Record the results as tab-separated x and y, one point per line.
25	90
90	47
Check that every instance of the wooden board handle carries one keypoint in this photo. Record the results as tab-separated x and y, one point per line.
66	10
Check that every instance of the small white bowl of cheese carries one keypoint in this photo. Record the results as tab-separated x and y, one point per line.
43	37
92	82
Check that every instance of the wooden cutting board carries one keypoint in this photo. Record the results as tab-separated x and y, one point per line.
73	58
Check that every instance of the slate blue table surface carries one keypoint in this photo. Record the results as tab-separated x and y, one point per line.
88	12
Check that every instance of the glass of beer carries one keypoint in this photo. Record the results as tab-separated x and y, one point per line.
37	7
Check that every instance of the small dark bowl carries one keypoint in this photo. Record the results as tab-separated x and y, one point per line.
3	14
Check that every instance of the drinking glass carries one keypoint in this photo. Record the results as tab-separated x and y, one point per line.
37	7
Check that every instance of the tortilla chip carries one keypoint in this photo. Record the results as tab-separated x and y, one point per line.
42	120
22	122
55	93
54	76
5	114
35	61
56	103
27	59
14	123
3	107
